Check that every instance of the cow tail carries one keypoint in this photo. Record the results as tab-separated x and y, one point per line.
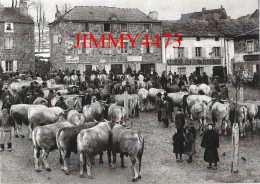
59	146
140	152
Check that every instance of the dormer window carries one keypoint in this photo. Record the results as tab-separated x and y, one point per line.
106	27
9	27
197	38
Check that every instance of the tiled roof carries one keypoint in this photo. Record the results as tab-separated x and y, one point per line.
206	15
104	14
191	28
252	32
14	15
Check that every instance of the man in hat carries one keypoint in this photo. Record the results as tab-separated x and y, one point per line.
61	103
204	78
210	142
179	120
159	103
224	93
166	112
51	95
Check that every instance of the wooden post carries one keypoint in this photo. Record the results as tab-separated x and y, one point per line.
126	104
235	148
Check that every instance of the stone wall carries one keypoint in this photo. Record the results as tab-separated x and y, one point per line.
68	31
23	49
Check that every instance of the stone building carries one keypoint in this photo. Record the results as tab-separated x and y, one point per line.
98	20
16	39
203	48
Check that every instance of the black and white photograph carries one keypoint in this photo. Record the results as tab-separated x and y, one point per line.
123	91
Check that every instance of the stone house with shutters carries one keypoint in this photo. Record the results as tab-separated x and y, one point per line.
98	20
16	39
203	48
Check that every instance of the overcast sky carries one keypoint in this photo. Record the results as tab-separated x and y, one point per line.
168	9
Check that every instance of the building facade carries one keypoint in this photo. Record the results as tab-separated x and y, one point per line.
105	20
16	39
247	52
203	49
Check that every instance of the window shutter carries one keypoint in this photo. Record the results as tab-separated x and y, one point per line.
213	52
203	52
222	52
186	52
175	53
80	49
14	66
193	52
11	43
107	68
142	49
7	43
110	51
151	48
3	66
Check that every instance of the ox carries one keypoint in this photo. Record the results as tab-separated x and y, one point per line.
143	94
128	142
117	114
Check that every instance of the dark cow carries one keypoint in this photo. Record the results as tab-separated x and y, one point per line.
66	139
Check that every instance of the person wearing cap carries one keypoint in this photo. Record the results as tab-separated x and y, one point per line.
6	125
5	93
166	112
7	104
205	78
210	142
51	95
159	105
61	103
179	120
15	98
223	93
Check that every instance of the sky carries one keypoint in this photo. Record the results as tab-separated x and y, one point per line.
168	9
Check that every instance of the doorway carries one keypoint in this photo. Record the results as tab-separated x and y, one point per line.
88	68
199	70
147	68
117	68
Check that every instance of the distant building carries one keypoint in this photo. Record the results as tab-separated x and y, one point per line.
99	20
216	14
203	48
16	39
45	40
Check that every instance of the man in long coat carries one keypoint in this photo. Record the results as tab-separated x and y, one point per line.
210	142
166	112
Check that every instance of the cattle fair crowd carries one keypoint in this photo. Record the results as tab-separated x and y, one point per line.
73	108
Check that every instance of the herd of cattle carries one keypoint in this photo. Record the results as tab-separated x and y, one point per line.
100	126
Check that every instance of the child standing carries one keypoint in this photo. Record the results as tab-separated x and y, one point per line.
6	124
178	145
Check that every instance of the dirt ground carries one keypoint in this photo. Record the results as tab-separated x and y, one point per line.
158	165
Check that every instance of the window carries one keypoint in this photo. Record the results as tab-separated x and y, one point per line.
147	27
107	49
87	27
9	66
216	52
197	38
9	27
198	51
180	52
124	50
9	43
180	38
106	27
182	71
250	46
123	27
216	38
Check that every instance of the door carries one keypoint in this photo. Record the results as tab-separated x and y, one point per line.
88	68
219	71
117	68
146	68
199	70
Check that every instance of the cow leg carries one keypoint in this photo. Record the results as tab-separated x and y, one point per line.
81	163
30	131
254	123
19	131
109	158
36	159
89	167
134	162
226	125
122	160
101	158
85	162
113	166
44	159
140	164
65	162
241	129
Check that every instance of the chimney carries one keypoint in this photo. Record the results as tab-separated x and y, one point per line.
153	15
221	7
58	13
23	8
203	9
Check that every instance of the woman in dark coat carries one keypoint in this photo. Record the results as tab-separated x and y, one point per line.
178	145
210	142
190	136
